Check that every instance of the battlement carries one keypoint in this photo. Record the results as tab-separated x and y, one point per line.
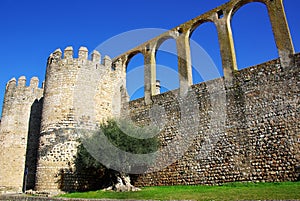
222	121
12	83
20	126
83	54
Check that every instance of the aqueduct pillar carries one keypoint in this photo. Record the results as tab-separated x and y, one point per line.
226	46
149	74
184	62
281	31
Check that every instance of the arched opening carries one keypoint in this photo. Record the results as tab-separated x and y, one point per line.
205	53
135	76
253	37
167	65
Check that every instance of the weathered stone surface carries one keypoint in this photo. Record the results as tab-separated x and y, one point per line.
19	133
259	140
78	95
221	17
245	127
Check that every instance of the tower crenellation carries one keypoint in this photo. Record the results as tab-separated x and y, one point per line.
78	93
242	127
68	53
66	76
96	56
19	125
107	62
11	84
83	53
22	81
56	54
34	82
67	57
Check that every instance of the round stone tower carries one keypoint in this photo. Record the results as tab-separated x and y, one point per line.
19	133
78	94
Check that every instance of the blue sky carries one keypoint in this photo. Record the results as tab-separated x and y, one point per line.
32	29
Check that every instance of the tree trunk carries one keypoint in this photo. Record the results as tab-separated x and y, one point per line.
123	184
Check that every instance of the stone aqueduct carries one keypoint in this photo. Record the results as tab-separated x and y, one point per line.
221	17
259	141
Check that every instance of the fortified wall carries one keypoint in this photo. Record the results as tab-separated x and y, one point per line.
19	132
242	127
39	125
247	132
78	95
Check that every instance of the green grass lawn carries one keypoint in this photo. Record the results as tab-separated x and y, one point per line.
232	191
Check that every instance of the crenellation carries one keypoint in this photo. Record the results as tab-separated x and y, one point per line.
22	81
68	61
34	82
11	83
71	77
39	126
96	56
107	61
68	52
83	53
20	122
78	94
57	54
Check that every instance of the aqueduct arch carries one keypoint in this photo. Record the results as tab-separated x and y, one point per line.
130	56
279	25
221	17
166	56
198	37
247	34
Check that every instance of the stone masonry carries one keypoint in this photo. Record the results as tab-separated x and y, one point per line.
78	95
241	127
19	132
256	140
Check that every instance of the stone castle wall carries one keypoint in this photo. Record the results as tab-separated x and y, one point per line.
247	132
78	95
19	133
246	129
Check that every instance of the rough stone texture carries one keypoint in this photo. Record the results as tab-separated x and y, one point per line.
253	135
78	94
19	133
221	17
244	128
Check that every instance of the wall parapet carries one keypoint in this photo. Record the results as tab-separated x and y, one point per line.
67	57
21	83
261	108
19	131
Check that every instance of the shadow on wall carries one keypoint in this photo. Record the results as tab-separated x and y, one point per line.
80	177
85	174
32	144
